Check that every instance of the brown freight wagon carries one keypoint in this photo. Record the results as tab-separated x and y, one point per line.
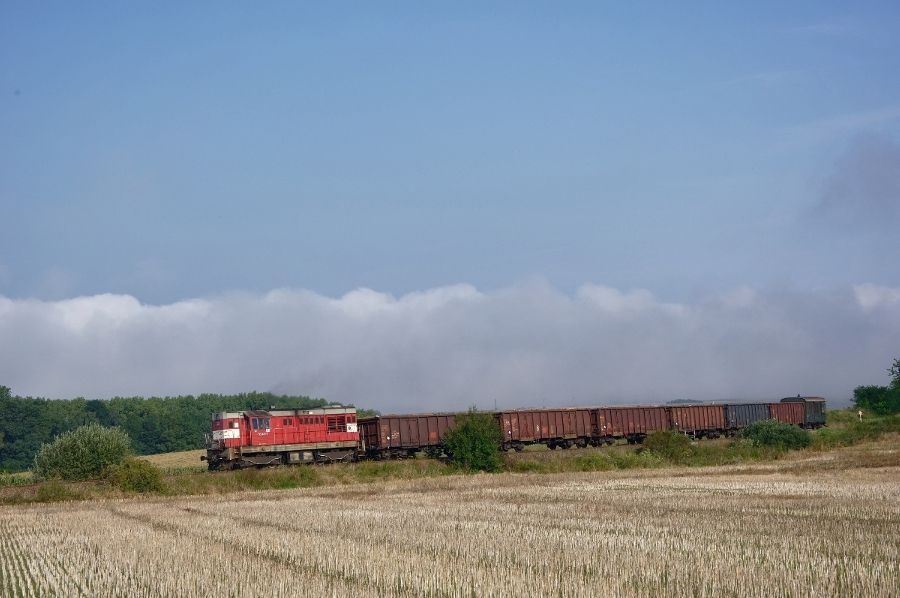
789	413
631	423
698	420
393	436
553	427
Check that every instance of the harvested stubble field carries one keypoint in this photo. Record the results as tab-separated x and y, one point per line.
776	530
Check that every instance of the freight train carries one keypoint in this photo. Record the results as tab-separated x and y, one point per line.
334	434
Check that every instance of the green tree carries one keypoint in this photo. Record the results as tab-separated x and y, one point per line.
894	372
871	398
881	400
82	454
474	441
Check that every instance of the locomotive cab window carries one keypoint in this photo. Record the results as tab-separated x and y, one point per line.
288	422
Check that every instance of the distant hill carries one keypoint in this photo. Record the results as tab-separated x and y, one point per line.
684	402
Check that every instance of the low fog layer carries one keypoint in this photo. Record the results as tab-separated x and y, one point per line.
451	347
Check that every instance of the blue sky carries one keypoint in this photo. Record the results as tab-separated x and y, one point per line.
170	154
195	150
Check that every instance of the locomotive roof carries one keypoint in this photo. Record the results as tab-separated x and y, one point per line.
330	410
318	411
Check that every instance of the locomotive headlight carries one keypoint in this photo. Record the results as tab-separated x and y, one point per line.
234	424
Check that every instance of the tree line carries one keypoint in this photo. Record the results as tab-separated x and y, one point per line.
154	424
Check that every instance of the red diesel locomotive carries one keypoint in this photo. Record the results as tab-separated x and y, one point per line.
254	438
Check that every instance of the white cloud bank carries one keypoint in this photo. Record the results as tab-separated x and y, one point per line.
450	347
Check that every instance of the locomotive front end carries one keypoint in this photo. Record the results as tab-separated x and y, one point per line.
223	440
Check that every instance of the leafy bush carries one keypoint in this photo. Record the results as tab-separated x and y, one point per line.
82	454
474	442
136	475
777	434
669	445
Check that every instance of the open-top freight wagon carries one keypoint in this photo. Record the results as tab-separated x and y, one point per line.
789	413
632	423
557	428
396	436
699	421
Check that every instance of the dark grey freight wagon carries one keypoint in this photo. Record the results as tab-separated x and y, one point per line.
741	415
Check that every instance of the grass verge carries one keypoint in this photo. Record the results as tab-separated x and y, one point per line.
847	431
